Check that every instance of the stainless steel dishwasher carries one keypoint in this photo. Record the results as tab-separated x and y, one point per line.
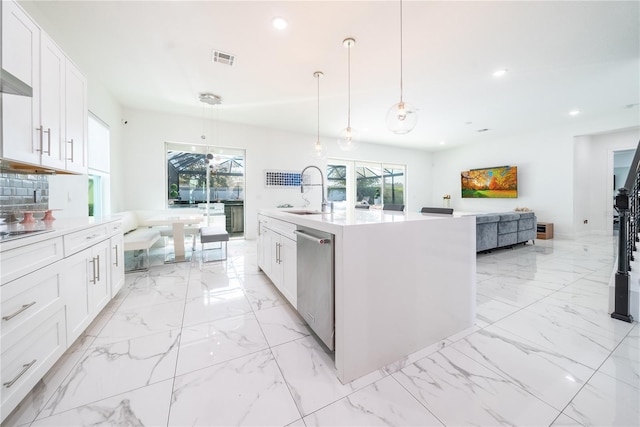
315	252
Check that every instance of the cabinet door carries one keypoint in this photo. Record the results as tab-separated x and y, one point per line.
20	57
52	75
267	250
117	264
75	289
76	119
99	283
288	260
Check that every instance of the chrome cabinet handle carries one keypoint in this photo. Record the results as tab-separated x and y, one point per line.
116	248
41	130
93	236
25	368
71	142
98	258
48	132
93	262
20	310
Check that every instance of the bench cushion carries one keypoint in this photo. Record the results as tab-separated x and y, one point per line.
213	234
140	239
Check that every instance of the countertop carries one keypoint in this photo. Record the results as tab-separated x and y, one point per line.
334	222
53	229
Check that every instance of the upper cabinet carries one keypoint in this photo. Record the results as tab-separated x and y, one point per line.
49	129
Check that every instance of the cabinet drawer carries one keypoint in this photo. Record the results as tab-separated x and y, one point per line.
17	262
28	296
114	228
80	240
29	357
282	227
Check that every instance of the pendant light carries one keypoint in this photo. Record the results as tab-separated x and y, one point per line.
401	117
319	150
348	139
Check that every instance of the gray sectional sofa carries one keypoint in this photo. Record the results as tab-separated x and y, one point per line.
497	230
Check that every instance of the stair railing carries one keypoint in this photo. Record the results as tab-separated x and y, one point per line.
627	205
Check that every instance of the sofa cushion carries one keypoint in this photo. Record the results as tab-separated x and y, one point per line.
505	227
484	218
486	236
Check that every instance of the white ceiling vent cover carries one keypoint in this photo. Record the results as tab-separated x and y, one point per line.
223	58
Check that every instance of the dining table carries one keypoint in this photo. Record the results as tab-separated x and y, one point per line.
177	221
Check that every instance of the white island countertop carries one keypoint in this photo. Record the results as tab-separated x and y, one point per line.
334	222
403	282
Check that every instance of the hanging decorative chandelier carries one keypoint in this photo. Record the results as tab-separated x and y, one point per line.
401	117
319	150
348	139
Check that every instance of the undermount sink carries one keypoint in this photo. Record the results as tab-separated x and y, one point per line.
304	212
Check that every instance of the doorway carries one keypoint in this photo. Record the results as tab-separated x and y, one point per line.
622	160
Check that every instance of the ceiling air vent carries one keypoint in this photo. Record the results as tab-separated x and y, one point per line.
223	58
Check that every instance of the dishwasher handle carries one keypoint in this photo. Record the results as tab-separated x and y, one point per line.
320	241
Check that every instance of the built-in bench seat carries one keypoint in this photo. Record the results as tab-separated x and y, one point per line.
136	237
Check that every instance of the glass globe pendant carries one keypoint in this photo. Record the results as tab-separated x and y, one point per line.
348	140
401	117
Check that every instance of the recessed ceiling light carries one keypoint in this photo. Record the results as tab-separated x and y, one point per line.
574	112
442	142
499	73
279	23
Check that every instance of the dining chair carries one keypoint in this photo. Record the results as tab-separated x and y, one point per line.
393	207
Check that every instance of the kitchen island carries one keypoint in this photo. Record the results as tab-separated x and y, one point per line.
403	281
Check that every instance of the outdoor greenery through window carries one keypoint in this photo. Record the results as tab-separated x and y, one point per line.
365	183
187	179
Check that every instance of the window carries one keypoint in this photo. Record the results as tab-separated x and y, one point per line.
99	143
197	174
370	183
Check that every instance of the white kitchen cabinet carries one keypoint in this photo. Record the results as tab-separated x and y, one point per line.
20	57
117	264
49	128
264	248
86	288
52	104
288	264
28	353
52	290
277	256
76	120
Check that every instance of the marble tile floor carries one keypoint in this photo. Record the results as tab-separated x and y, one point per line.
217	345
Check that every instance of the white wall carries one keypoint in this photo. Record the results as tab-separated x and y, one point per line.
143	166
545	161
597	171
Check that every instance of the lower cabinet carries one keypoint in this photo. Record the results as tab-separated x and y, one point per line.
86	287
117	264
277	256
50	300
29	352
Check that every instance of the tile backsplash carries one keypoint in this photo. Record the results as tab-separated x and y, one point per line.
22	192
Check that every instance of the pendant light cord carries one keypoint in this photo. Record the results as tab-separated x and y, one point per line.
401	51
349	86
318	78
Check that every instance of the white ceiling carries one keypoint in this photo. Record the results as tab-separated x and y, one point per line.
156	55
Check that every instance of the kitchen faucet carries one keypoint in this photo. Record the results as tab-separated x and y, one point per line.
325	204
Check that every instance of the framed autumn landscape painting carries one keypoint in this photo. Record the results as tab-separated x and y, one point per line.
496	182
